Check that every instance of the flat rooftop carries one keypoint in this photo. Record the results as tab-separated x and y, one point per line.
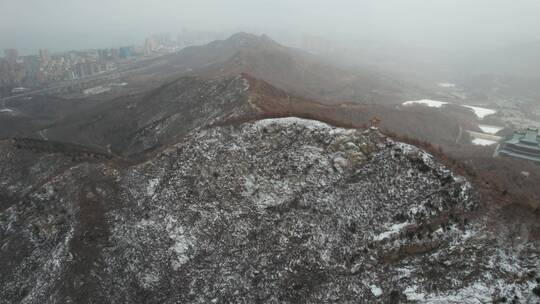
523	144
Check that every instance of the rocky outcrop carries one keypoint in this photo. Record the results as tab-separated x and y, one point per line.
273	211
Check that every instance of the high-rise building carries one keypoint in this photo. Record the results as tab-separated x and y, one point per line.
115	54
11	55
127	51
149	46
44	56
162	39
103	54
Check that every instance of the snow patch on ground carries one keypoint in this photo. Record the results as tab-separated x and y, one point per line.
412	295
490	129
477	293
144	224
446	85
309	124
180	244
246	85
376	291
249	185
289	121
395	229
279	193
404	272
267	193
149	279
504	262
406	148
483	142
410	149
481	112
426	102
151	188
469	234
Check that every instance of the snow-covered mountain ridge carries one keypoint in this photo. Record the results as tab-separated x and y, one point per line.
272	211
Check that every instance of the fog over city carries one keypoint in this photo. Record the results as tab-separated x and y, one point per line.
28	25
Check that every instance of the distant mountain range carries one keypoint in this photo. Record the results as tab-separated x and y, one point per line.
293	70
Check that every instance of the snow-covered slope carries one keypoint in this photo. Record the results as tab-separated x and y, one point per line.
272	211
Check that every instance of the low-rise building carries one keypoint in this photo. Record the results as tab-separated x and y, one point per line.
524	144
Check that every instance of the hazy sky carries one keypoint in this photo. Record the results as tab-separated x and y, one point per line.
70	24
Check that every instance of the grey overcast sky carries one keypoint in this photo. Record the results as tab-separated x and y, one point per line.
70	24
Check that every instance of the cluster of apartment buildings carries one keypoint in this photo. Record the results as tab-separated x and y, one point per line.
45	68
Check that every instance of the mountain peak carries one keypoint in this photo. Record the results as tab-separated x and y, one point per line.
248	39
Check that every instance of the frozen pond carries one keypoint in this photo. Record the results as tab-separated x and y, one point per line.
426	102
446	85
490	129
481	112
483	142
7	111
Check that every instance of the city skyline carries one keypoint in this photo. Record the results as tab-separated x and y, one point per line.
173	37
21	72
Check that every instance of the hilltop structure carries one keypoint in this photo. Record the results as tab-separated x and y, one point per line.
523	144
